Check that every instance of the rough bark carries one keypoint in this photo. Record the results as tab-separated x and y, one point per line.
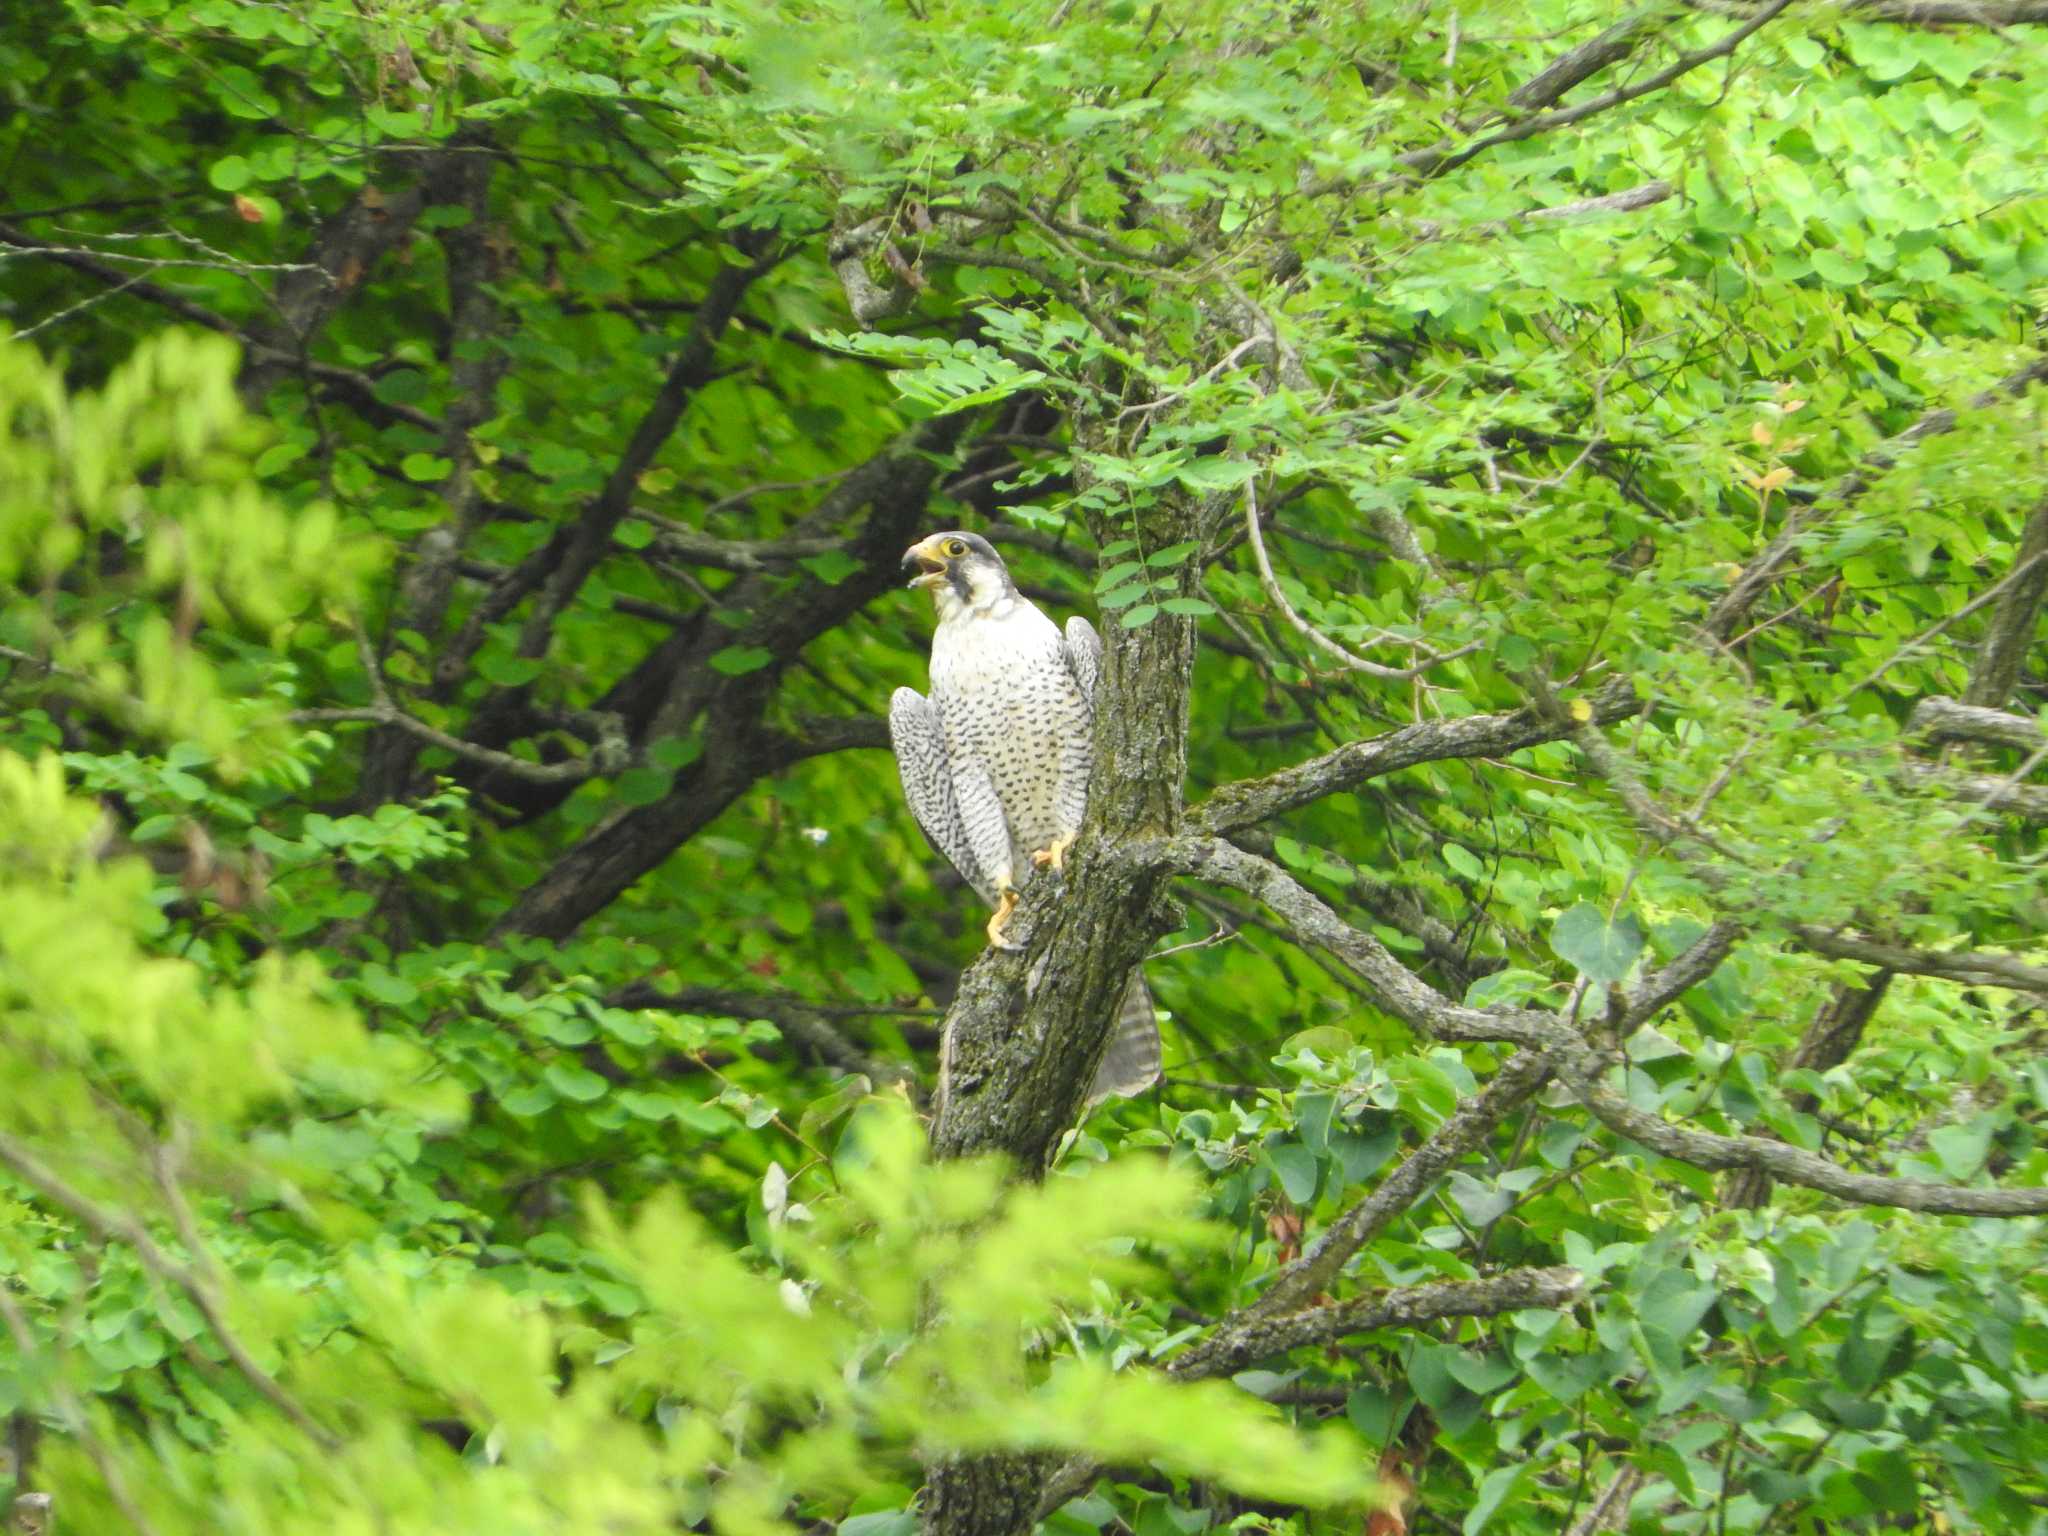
1834	1032
1997	669
1946	720
1235	1346
1028	1028
1254	800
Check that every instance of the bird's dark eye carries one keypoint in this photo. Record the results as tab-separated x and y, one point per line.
955	548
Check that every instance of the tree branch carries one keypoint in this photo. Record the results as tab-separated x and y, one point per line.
1942	719
1297	1284
572	771
2029	802
1997	667
1973	13
1249	801
692	369
807	1023
118	1226
1414	1002
1240	1340
1314	636
1435	162
1761	574
1571	69
1972	968
729	710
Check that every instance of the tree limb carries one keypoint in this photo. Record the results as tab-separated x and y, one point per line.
1413	1001
118	1226
1571	69
1972	968
2029	802
1436	162
1942	719
2011	633
1972	13
1240	1340
1297	1284
1248	801
1761	574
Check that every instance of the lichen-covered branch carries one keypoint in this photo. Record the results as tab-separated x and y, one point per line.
1238	1342
1412	1000
1494	735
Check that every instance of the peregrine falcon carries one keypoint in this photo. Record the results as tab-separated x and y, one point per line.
995	763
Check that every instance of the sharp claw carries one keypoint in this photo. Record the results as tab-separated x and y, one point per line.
1054	855
999	919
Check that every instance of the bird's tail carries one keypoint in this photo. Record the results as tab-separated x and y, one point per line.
1131	1064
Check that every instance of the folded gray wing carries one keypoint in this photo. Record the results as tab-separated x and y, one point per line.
920	748
1084	654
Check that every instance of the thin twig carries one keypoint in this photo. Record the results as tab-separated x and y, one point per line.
1315	636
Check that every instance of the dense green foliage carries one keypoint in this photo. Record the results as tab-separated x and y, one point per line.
468	981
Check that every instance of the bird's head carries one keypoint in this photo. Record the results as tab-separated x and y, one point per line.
960	570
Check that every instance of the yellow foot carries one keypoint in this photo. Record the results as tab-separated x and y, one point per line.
1006	903
1054	855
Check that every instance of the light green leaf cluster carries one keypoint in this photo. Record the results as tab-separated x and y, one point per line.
144	482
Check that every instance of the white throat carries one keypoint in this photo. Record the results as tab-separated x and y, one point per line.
988	597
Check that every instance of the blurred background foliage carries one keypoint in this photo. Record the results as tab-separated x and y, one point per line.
468	979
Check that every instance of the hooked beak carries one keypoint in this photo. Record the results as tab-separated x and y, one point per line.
931	570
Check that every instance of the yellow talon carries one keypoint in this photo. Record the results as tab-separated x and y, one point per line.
1005	905
1054	855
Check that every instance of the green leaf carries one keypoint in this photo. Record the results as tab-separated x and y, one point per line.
1482	1374
1139	616
1122	571
1296	1168
1463	861
738	660
1375	1414
1495	1489
1188	607
1598	949
832	567
230	173
574	1082
508	671
894	1522
1478	1203
426	467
